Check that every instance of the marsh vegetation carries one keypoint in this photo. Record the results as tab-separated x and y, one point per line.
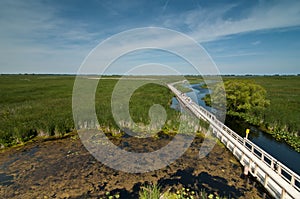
41	105
271	103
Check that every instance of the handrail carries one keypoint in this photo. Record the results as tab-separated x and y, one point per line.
283	171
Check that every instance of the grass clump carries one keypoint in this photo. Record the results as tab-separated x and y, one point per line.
150	192
154	192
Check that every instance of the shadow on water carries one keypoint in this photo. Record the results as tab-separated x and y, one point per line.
25	153
123	193
6	180
198	183
202	181
209	183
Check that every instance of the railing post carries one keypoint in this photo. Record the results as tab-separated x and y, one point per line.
266	180
255	171
250	163
292	180
227	144
272	164
279	169
242	158
283	193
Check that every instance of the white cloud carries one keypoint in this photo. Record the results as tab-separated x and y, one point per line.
149	38
34	36
238	55
210	23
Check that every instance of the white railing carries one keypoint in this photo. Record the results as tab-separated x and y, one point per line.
273	164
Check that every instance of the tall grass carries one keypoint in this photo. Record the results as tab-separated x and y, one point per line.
32	105
150	192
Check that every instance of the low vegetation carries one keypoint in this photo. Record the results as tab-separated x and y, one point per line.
41	105
281	118
33	105
155	192
272	103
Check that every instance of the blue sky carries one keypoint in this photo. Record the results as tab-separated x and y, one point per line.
242	37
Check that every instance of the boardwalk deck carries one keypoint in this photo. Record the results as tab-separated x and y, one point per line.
278	179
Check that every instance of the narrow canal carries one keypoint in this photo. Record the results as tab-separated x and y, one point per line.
279	150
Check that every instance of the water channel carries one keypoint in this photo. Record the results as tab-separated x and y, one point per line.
279	150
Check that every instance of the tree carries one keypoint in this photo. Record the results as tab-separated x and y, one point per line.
244	99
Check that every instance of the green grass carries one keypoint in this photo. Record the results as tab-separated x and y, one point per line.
141	100
282	117
32	105
150	192
155	192
284	95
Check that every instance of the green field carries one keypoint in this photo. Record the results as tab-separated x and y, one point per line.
282	117
284	95
41	105
32	105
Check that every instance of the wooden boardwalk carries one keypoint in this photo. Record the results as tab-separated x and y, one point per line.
278	179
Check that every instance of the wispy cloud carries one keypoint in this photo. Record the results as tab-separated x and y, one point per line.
182	48
51	36
256	43
239	55
211	23
34	36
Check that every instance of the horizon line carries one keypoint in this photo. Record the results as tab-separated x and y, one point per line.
74	74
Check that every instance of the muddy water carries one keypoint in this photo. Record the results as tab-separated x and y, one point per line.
65	169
